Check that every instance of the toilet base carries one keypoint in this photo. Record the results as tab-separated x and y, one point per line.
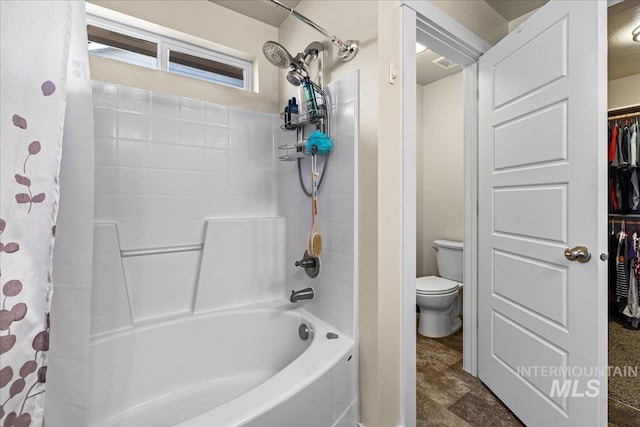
438	326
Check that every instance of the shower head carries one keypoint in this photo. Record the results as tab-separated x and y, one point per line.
295	77
277	54
300	62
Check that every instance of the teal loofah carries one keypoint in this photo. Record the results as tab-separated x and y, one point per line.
321	141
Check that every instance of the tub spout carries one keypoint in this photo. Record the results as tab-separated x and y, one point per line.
307	293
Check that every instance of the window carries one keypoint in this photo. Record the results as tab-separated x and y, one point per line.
206	69
117	41
110	44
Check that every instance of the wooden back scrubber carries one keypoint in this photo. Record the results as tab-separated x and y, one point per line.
314	240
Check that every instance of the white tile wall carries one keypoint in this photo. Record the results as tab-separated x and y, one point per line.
335	290
201	155
164	165
242	262
175	171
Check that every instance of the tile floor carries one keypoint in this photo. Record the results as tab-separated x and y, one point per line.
449	396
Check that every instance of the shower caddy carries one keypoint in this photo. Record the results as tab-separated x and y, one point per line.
314	113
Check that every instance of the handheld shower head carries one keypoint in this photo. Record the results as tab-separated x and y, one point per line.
295	77
300	62
277	54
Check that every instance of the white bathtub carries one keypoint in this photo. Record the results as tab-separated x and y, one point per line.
235	367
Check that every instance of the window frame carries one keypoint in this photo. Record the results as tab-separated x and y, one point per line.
166	44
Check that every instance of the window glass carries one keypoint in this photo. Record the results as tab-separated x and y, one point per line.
121	42
205	69
113	45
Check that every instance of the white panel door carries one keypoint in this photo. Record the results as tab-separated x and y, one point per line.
542	189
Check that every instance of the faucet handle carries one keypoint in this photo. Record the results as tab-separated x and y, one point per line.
306	263
310	264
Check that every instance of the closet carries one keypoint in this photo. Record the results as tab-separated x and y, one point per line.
624	212
624	262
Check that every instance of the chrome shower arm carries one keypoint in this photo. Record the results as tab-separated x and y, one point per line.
348	49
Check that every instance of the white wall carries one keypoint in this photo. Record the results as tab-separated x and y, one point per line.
624	92
442	162
164	165
420	247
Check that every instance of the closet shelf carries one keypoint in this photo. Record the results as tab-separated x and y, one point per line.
624	113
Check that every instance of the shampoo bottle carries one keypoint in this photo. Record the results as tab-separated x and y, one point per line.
287	115
293	111
310	99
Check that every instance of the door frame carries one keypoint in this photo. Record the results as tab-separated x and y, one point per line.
422	21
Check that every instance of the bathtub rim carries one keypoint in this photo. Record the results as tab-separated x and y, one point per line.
276	304
311	364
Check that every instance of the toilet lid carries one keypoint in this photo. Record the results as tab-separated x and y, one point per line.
435	285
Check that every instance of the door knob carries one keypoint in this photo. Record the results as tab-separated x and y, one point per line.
578	253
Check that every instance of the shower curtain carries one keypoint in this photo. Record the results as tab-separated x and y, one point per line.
35	38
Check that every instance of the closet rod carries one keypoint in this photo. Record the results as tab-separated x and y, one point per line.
624	116
632	217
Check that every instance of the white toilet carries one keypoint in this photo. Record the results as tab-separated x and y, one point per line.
439	297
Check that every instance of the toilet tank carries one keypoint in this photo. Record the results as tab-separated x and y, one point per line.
449	258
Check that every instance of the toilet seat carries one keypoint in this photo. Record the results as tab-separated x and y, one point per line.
434	285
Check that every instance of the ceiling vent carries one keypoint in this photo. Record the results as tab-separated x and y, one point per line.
443	62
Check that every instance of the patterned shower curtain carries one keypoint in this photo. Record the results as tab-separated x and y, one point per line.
34	49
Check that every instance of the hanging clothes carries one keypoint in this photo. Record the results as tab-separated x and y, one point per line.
623	173
623	155
614	206
635	142
632	308
633	168
624	178
613	248
613	145
622	281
